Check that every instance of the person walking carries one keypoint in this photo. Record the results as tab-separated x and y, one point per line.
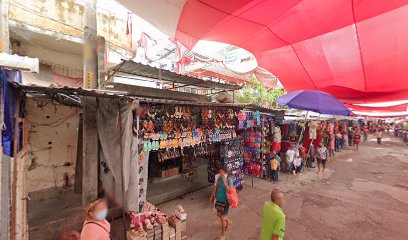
273	218
365	134
223	186
350	136
95	226
332	145
379	136
310	157
275	165
290	157
322	156
356	139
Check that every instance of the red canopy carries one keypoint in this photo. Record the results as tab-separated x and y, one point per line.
397	108
356	50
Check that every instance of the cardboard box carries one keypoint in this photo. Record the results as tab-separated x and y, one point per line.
183	226
172	233
129	236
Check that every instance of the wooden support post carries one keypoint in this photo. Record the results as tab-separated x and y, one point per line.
13	223
78	164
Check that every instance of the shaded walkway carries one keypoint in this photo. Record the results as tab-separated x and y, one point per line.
363	195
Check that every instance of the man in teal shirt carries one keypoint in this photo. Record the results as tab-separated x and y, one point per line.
222	186
273	219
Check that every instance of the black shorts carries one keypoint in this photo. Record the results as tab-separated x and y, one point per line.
321	161
226	209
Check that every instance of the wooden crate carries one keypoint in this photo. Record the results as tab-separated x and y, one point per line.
170	172
129	236
172	235
184	226
165	231
177	226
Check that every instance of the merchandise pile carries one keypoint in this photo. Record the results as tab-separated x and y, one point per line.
152	224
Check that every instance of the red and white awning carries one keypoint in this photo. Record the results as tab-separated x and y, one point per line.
356	50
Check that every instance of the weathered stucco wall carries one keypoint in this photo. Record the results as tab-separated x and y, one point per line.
52	143
67	16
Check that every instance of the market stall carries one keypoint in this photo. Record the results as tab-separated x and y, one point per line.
261	135
156	136
175	135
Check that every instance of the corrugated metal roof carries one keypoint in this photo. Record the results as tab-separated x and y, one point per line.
138	69
115	95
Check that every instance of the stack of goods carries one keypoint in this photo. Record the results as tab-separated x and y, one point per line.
169	130
154	225
266	141
169	162
178	224
252	151
231	154
148	225
187	168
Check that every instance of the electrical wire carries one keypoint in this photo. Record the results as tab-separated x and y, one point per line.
55	123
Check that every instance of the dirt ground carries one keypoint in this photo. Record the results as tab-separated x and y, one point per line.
362	195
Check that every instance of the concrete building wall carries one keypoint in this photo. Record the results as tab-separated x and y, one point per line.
67	16
52	144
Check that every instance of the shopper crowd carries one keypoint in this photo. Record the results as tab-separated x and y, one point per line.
317	143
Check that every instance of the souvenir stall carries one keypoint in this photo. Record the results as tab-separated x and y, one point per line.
134	134
176	135
261	136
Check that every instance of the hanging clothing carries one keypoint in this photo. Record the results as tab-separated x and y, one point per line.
277	137
332	140
272	127
313	129
307	140
8	110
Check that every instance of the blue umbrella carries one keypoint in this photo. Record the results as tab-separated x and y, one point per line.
315	101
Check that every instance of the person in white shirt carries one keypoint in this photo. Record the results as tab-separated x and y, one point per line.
379	135
290	156
322	155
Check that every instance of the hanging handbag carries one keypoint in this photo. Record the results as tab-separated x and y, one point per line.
233	198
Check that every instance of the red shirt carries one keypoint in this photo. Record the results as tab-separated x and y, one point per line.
356	138
302	152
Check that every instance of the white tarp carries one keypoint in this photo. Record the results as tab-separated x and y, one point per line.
163	14
19	62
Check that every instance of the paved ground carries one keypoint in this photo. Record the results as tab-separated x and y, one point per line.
363	195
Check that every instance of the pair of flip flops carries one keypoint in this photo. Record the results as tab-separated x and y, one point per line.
151	146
